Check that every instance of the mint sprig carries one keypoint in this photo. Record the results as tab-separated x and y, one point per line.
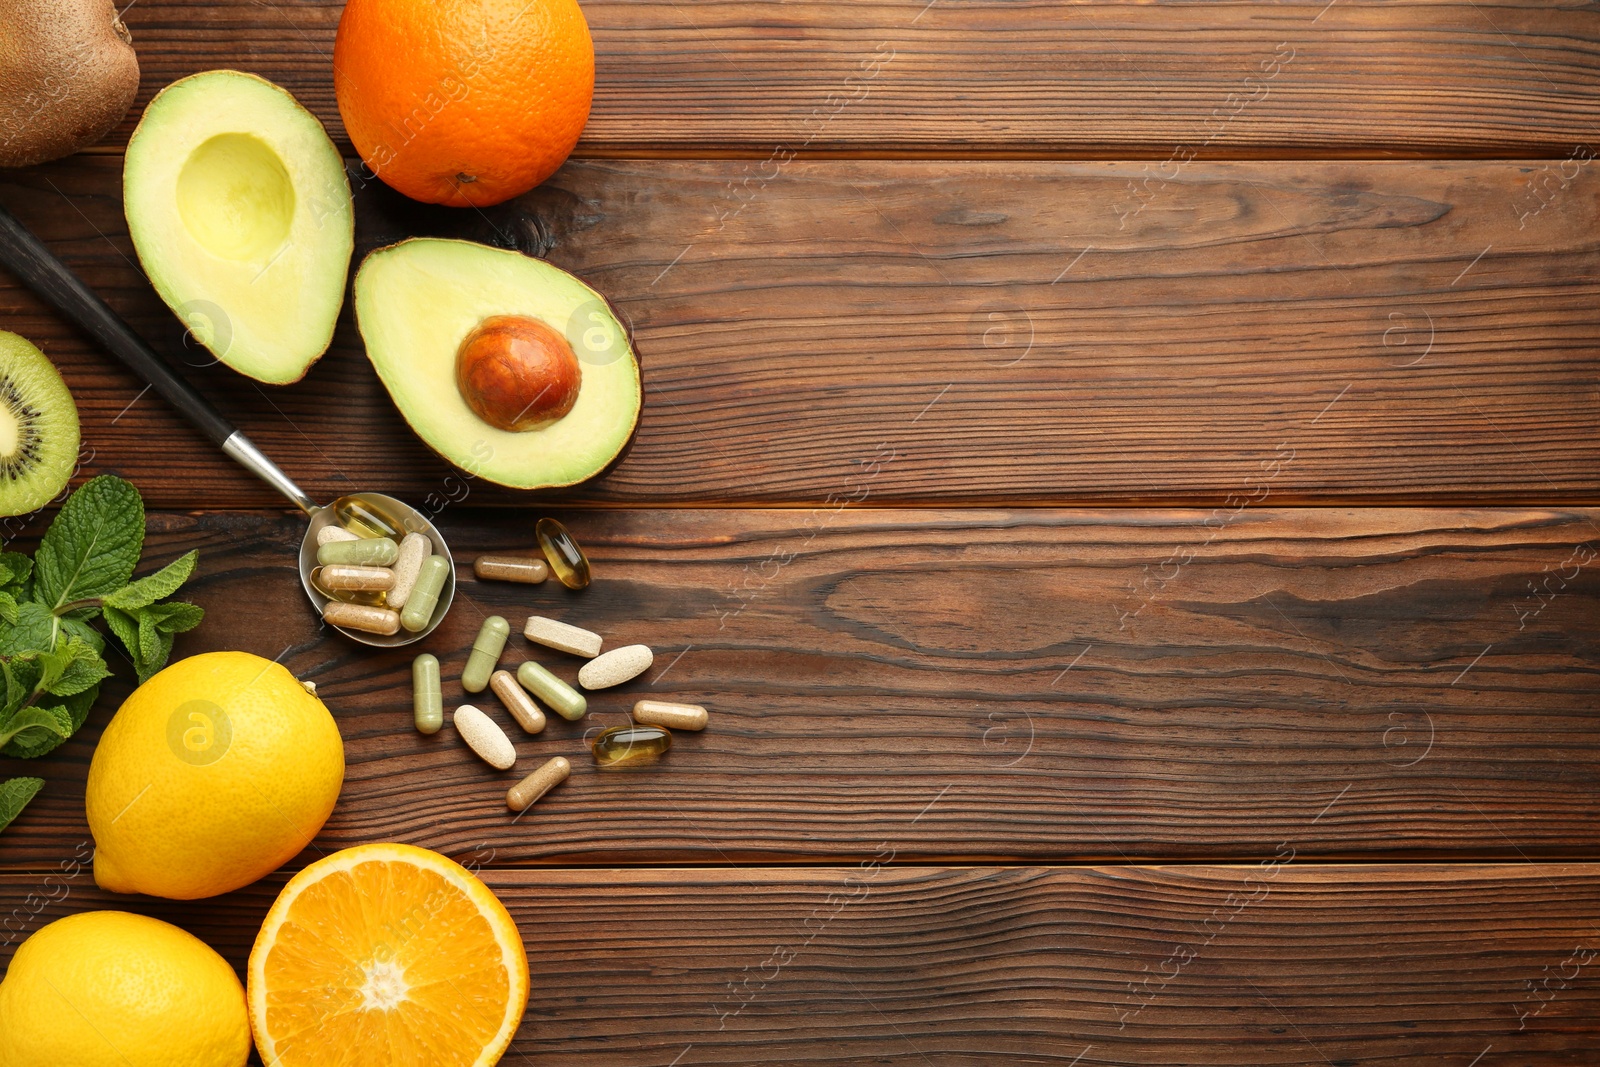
51	657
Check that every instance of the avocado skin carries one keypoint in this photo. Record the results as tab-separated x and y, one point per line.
68	74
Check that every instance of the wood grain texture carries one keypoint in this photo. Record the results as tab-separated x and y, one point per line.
1043	686
1278	964
1014	333
1039	79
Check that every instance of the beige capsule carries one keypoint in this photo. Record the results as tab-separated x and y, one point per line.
414	548
672	716
361	617
615	667
517	701
550	774
562	637
345	576
335	532
484	736
511	569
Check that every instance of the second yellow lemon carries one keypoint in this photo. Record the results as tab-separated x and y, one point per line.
212	774
109	989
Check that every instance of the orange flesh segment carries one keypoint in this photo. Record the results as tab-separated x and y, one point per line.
386	963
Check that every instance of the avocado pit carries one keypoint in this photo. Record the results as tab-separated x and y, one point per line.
517	373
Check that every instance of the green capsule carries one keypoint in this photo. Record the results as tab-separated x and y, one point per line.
566	558
485	654
566	701
425	594
427	699
367	552
365	519
630	745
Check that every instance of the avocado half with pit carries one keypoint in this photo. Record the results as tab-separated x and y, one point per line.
240	210
508	367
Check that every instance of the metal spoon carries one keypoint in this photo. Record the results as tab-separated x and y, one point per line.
38	268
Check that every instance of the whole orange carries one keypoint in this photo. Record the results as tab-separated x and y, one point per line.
463	102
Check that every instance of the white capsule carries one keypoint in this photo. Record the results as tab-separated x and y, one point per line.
414	548
615	667
562	637
484	736
334	532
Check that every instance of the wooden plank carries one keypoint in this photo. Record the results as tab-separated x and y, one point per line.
1013	333
1276	964
964	78
1039	685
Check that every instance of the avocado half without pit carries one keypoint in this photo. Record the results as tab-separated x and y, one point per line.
508	367
240	211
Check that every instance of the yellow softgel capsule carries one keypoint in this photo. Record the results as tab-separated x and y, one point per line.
566	558
365	519
630	746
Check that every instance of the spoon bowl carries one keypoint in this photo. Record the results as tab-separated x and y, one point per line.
410	520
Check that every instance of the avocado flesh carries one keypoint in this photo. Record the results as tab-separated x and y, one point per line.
417	300
239	208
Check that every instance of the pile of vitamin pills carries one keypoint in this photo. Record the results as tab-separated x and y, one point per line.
377	580
643	740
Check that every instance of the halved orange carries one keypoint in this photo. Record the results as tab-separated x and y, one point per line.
386	955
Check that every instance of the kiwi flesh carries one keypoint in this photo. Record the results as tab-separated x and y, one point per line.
38	428
68	74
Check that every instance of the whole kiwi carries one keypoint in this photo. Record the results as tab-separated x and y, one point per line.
68	74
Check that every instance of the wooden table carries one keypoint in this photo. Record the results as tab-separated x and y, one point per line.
1123	476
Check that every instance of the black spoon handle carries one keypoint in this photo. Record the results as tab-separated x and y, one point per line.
37	267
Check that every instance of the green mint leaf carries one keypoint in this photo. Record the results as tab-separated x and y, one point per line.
21	678
19	569
125	626
33	631
152	649
80	628
8	607
51	664
28	721
152	587
148	632
92	546
34	743
175	616
71	667
14	796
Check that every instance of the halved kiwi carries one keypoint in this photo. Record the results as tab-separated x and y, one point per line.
38	428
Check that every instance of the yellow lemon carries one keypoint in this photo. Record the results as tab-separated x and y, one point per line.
386	956
212	774
107	987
